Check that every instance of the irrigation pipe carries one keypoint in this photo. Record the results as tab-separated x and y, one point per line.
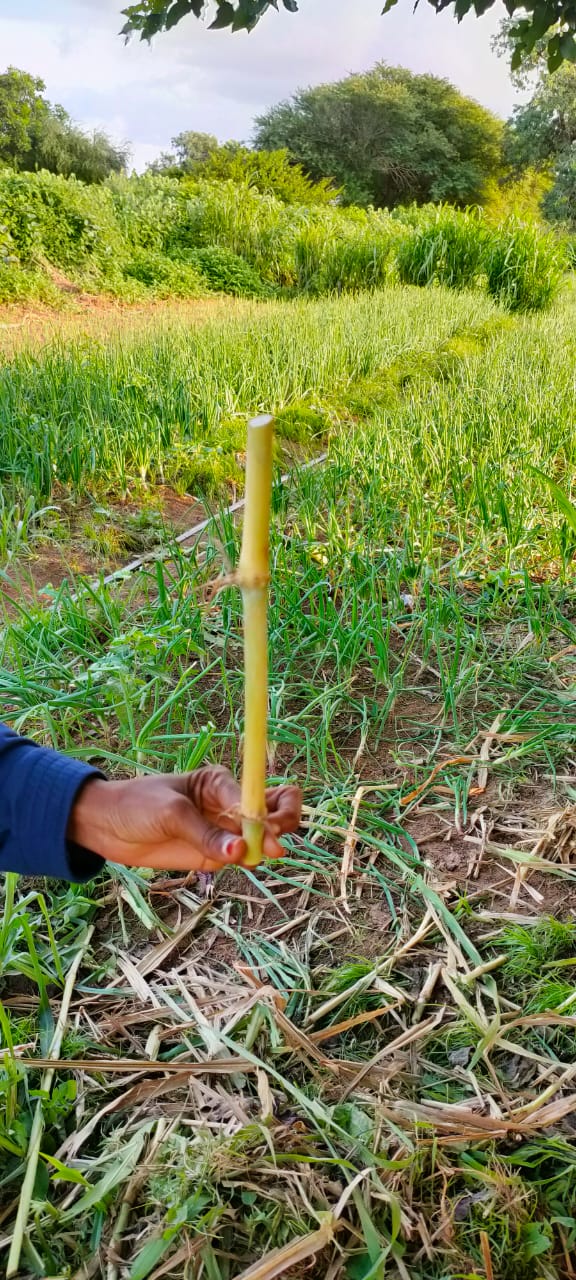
163	553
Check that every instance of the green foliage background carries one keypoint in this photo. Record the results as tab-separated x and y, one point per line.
157	237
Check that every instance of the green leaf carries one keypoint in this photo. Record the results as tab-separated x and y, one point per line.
41	1183
45	1024
536	1240
568	47
371	1234
148	1257
363	1268
63	1172
119	1170
11	1146
353	1120
360	1266
135	899
180	10
563	502
554	53
151	25
224	17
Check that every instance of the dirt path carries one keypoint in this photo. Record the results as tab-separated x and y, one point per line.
96	317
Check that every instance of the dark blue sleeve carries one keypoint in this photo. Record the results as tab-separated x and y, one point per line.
37	790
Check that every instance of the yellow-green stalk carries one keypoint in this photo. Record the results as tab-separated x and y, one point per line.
253	577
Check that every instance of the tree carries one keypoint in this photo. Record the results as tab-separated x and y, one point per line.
270	172
36	135
550	21
191	151
542	135
545	127
559	204
62	147
23	115
389	137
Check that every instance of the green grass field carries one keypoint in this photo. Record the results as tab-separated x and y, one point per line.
362	1057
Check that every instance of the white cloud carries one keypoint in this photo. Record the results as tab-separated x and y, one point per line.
218	82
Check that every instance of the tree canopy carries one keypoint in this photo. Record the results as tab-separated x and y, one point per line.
272	173
389	137
34	134
191	151
552	22
542	135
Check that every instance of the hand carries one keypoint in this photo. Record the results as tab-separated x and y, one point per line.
189	822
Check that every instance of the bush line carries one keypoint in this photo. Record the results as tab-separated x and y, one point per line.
157	237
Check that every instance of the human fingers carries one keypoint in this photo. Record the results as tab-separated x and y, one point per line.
284	806
216	794
172	855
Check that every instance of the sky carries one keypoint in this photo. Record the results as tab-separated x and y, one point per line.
216	82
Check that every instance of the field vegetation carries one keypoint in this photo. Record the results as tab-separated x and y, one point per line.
363	1057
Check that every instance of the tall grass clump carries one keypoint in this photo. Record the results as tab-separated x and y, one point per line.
346	251
259	228
446	246
524	267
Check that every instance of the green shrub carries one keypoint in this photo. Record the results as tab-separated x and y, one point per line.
517	197
226	272
524	267
446	248
17	213
18	284
7	247
270	172
69	224
163	276
161	237
148	209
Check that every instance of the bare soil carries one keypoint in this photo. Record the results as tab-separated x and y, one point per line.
40	569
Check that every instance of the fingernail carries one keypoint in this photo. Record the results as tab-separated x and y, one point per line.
231	846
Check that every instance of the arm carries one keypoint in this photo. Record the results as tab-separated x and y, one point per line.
38	790
59	817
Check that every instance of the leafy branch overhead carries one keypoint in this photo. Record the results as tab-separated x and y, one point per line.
151	16
551	23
